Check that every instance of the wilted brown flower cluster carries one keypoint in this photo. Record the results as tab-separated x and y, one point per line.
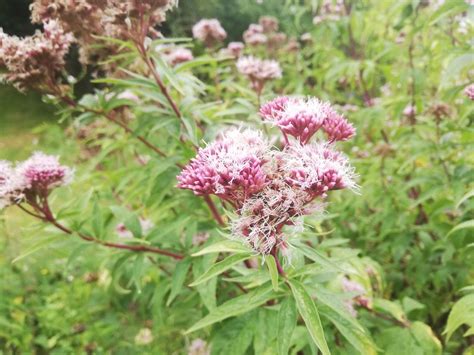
35	61
129	19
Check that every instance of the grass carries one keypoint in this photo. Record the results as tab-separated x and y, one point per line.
20	114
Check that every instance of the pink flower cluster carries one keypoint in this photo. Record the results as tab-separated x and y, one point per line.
265	33
230	167
469	91
31	179
360	299
258	71
209	31
268	188
234	49
175	55
302	118
330	11
254	35
35	61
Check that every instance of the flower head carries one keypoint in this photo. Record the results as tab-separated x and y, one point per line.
469	91
302	118
268	23
353	286
199	347
262	216
258	71
43	172
254	35
317	168
337	128
178	55
209	31
230	167
11	185
409	111
235	49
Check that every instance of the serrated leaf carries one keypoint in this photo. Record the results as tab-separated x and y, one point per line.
220	267
310	315
287	317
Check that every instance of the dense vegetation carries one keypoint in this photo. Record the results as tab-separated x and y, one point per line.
116	255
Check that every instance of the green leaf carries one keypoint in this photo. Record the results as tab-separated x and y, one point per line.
272	268
220	267
462	313
455	67
319	258
463	225
287	317
465	198
309	312
235	306
235	335
223	246
389	307
97	220
179	276
426	339
354	334
44	242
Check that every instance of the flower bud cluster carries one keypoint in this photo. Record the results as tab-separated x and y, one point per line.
269	188
32	179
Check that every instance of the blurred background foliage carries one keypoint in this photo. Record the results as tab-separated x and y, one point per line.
413	177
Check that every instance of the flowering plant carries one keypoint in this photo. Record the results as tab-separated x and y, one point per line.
196	197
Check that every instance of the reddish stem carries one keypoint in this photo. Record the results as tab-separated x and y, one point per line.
48	217
214	211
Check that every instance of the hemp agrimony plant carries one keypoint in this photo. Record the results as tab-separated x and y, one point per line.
207	207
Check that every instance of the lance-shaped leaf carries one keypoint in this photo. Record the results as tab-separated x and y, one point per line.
287	317
310	315
236	306
220	267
